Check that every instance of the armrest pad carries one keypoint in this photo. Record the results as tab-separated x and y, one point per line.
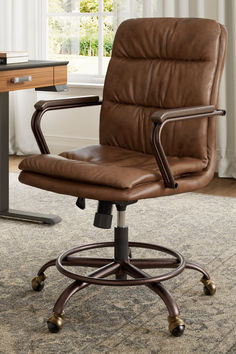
70	101
162	114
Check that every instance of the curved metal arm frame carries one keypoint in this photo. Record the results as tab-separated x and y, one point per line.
158	150
37	117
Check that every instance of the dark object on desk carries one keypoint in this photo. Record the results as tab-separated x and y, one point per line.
33	74
157	138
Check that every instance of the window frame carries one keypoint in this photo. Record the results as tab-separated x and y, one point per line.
83	79
77	77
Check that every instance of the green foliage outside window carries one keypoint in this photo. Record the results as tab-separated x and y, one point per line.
92	6
79	35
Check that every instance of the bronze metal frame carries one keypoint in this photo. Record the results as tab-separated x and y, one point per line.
158	125
130	266
57	105
109	266
122	264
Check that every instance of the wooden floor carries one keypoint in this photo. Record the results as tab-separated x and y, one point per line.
218	186
14	162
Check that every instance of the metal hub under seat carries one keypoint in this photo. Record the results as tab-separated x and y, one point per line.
121	265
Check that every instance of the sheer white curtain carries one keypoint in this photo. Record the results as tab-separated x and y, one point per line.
19	30
224	11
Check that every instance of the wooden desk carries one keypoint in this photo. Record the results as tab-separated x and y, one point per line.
41	75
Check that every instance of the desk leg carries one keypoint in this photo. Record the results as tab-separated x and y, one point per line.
5	212
4	151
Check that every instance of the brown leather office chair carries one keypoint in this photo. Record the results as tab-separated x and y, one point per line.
157	138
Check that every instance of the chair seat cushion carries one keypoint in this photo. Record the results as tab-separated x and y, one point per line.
107	166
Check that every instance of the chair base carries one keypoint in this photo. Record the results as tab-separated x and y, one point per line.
121	266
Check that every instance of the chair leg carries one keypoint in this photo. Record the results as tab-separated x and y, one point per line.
195	266
209	285
55	322
176	325
38	282
121	275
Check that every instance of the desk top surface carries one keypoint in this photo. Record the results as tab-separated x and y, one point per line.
32	64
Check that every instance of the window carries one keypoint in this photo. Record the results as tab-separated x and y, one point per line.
81	31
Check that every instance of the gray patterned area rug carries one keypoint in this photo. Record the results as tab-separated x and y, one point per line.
119	320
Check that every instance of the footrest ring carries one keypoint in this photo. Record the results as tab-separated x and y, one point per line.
129	282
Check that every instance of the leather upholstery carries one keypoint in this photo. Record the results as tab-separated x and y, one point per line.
107	166
169	63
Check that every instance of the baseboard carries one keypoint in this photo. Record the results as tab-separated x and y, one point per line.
58	144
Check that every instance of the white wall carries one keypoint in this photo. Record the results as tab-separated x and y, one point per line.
71	128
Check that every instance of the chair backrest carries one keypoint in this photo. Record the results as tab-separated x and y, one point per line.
163	63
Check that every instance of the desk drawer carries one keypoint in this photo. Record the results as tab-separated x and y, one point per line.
60	75
37	77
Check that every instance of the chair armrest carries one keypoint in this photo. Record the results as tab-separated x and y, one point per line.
66	102
62	103
163	116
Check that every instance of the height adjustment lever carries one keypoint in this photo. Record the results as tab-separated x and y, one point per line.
81	203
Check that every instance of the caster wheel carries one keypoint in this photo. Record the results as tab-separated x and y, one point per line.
38	282
176	326
209	287
55	323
